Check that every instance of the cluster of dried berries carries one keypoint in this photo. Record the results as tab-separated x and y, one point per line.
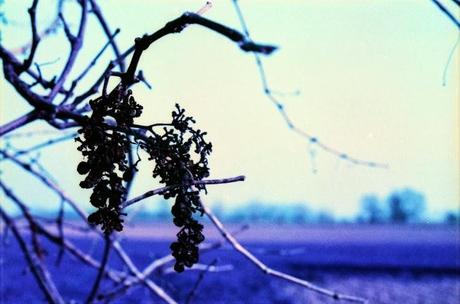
105	148
180	153
180	156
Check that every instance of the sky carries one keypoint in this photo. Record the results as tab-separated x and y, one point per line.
371	83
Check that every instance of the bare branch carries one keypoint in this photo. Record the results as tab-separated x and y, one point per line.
31	134
60	227
44	144
75	43
152	286
157	263
48	30
97	11
14	66
115	276
105	259
18	122
94	88
248	255
41	274
449	59
111	274
447	13
35	38
176	26
199	280
89	67
313	140
167	188
114	243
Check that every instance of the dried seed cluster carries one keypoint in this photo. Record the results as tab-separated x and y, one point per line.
180	154
105	148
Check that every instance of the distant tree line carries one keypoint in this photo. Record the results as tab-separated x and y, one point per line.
252	212
399	207
287	213
402	206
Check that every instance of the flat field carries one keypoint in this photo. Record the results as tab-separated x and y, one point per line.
385	264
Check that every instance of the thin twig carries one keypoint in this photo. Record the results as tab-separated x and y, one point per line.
89	67
115	244
313	140
201	268
447	13
162	190
113	275
35	38
75	43
18	122
32	134
157	263
133	269
41	274
104	260
449	59
176	26
36	246
269	271
48	30
100	17
60	228
45	144
192	292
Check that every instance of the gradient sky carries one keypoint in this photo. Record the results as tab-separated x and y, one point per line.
370	76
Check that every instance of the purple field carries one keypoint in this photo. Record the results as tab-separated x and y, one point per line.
385	264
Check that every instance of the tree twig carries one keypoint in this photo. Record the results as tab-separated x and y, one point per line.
270	94
18	122
44	144
114	243
176	26
75	43
162	190
269	271
192	292
155	264
446	12
89	67
35	38
100	17
41	274
101	271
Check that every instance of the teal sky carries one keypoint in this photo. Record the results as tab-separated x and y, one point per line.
370	76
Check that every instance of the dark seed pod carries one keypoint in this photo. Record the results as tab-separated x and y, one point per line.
179	267
95	218
85	184
128	175
83	168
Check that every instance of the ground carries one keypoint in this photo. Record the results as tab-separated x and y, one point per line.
386	264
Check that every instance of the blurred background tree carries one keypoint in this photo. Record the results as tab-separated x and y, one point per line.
406	205
372	211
